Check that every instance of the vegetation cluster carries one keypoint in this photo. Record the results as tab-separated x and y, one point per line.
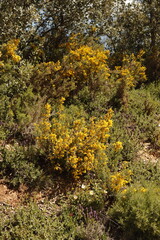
75	113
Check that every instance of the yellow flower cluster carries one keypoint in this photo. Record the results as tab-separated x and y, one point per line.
1	62
47	68
120	179
10	50
132	70
118	146
88	62
134	190
73	146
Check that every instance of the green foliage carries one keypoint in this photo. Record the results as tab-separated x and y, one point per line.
137	210
20	106
90	195
138	124
143	172
92	230
31	222
146	114
19	15
19	166
127	132
95	106
154	89
28	223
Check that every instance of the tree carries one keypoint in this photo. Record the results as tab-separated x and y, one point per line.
136	27
17	19
50	22
61	18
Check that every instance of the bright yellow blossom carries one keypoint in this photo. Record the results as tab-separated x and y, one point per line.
10	49
118	146
76	143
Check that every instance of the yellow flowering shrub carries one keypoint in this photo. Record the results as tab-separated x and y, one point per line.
118	146
119	180
73	145
129	74
83	65
8	51
132	71
84	73
88	66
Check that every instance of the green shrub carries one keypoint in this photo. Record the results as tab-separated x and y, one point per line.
137	124
95	106
145	171
124	129
91	194
145	112
20	106
154	89
19	166
28	223
137	210
92	230
37	223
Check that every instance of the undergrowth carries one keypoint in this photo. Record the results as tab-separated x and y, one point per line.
83	123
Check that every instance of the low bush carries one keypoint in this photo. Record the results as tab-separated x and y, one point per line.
28	223
145	171
145	113
74	145
137	211
90	195
33	222
125	130
19	166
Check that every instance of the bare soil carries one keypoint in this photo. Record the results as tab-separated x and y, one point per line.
148	154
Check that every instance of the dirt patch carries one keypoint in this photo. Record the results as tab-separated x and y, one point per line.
15	198
8	197
148	154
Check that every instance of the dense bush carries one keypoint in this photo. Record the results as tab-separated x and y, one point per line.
145	113
137	210
31	222
75	145
145	171
20	107
19	166
84	65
